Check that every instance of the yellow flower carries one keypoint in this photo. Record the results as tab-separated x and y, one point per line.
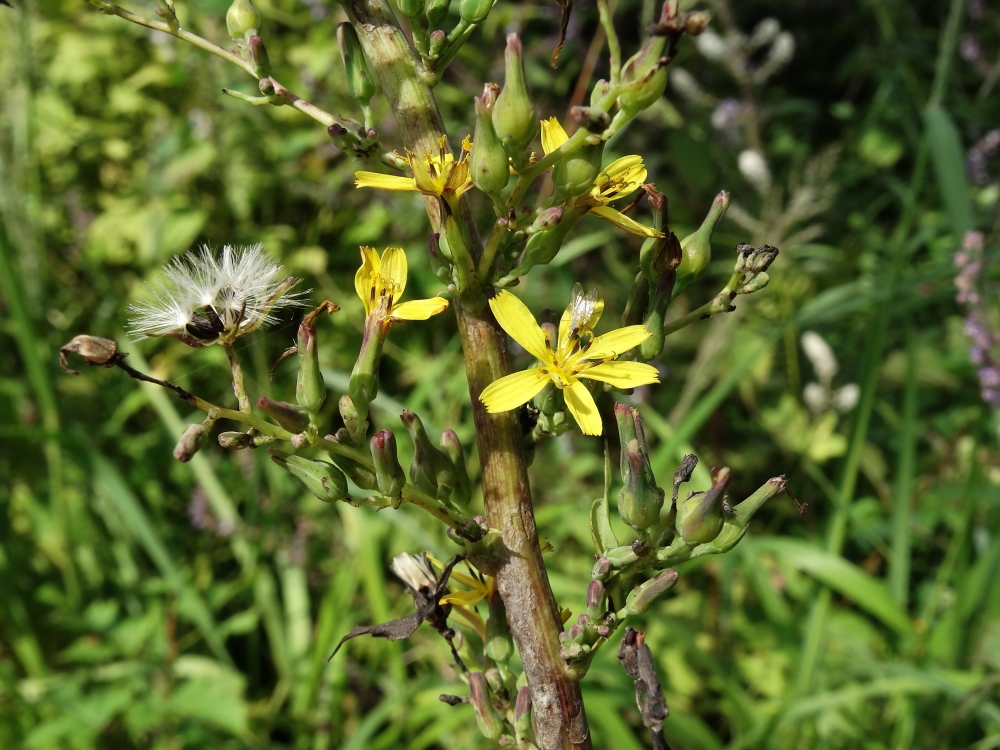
439	175
577	354
617	180
480	587
380	283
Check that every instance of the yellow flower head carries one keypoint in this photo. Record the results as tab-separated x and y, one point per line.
462	602
441	175
380	283
576	354
619	179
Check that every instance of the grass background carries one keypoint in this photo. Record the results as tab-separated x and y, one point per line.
147	603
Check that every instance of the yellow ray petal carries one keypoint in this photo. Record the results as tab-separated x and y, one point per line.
419	309
510	391
622	374
516	319
363	278
618	166
581	405
553	135
623	222
472	617
464	598
393	270
615	343
383	181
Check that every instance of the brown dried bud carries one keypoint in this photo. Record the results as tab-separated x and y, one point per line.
96	352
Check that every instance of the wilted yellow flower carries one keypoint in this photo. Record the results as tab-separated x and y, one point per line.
480	587
617	180
440	175
380	283
577	354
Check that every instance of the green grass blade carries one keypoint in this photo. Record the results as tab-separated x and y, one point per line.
843	577
949	168
899	562
129	509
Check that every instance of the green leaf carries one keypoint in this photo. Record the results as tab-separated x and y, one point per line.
843	577
949	166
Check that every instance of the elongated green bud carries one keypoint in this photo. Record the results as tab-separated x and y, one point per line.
696	248
310	388
595	599
574	174
258	56
489	721
474	11
411	8
462	494
546	220
643	597
360	475
191	441
543	246
701	514
515	117
643	76
522	711
321	479
360	86
388	473
292	417
499	646
431	470
241	18
640	500
437	11
488	162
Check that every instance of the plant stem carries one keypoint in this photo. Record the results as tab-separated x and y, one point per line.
238	386
533	616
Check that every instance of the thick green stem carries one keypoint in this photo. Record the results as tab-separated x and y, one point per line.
533	616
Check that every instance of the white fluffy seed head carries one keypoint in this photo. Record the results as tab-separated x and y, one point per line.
754	167
712	46
414	570
214	298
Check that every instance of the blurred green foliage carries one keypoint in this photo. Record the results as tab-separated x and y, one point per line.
147	603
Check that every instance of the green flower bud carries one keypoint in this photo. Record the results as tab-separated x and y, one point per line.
542	246
489	721
190	442
474	11
574	174
431	471
310	388
436	46
644	77
595	599
352	420
462	494
600	89
522	712
696	248
258	56
546	219
321	479
360	86
437	11
701	514
640	500
643	597
602	569
360	475
410	8
292	417
241	18
515	117
499	646
388	473
488	164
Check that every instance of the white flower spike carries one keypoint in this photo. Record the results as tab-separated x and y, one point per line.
202	299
